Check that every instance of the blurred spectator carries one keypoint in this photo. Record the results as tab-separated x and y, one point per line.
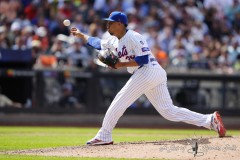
220	5
198	60
19	44
10	9
179	56
36	48
164	38
79	23
232	10
15	31
43	60
68	100
161	56
59	51
26	34
7	102
194	11
46	61
41	35
4	42
78	55
223	61
151	35
100	6
198	30
237	64
233	51
31	10
65	9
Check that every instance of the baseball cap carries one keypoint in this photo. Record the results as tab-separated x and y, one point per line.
117	17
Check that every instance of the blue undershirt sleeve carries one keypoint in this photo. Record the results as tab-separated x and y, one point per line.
141	60
94	42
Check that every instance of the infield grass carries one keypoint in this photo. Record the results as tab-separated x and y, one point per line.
19	138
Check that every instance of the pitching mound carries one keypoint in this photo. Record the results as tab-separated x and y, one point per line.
207	148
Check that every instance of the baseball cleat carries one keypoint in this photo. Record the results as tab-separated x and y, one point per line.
217	124
98	142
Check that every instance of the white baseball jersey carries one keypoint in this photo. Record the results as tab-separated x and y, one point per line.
150	79
131	45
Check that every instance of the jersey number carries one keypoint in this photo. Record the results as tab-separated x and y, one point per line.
130	57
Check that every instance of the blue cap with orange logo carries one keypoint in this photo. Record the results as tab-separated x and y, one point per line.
117	16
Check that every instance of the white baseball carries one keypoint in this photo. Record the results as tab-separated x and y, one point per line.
66	22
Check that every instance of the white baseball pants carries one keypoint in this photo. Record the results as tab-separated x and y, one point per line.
153	83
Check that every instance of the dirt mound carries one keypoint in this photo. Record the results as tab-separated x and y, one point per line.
208	148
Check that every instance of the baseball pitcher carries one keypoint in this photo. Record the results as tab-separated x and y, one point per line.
148	78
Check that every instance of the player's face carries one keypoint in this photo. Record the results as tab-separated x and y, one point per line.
113	27
110	27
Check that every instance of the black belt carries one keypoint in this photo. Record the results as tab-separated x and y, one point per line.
140	66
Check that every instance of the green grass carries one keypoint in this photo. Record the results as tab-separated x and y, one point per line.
18	138
12	138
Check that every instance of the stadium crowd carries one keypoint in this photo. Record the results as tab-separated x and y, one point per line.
182	34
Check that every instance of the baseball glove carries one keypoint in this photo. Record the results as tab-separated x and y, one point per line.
110	59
